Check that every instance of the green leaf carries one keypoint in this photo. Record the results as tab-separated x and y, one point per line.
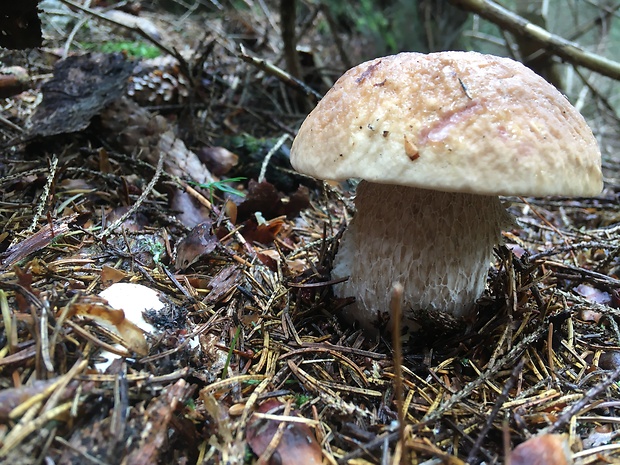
221	186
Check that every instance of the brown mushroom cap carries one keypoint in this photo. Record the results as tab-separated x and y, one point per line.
450	121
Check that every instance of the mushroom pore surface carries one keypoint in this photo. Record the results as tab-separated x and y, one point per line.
438	245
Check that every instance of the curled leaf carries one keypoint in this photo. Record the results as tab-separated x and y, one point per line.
297	439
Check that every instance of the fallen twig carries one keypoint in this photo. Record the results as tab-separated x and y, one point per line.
561	47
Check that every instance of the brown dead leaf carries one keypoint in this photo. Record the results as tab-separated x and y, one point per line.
297	445
104	161
548	449
188	211
197	281
138	130
298	201
97	309
156	424
111	275
222	283
599	436
230	208
270	258
75	185
133	223
263	233
24	279
197	244
263	197
219	160
25	183
296	266
609	360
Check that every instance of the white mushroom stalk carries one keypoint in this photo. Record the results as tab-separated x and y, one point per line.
438	245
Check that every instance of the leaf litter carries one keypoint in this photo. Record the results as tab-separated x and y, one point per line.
249	361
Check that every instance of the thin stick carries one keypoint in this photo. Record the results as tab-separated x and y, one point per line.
44	196
282	75
396	306
141	199
274	149
550	350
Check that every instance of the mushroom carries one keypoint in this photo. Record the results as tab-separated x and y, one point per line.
436	139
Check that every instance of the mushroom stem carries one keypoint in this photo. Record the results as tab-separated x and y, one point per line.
437	244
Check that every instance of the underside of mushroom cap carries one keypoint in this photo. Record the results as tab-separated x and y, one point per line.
451	121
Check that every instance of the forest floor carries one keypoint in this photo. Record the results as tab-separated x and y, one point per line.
172	173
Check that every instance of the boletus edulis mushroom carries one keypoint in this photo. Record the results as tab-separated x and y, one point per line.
436	139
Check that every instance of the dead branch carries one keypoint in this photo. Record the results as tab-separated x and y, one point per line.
516	24
282	75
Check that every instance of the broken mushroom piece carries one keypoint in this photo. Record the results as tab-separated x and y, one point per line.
436	139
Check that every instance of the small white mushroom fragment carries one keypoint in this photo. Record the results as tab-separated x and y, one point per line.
130	301
437	139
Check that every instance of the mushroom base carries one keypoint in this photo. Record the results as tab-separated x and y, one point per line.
438	245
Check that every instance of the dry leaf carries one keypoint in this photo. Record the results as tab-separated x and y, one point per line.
230	208
609	360
133	223
188	211
263	233
115	321
111	275
548	449
600	436
297	445
263	197
222	283
593	294
156	424
119	308
197	244
219	160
